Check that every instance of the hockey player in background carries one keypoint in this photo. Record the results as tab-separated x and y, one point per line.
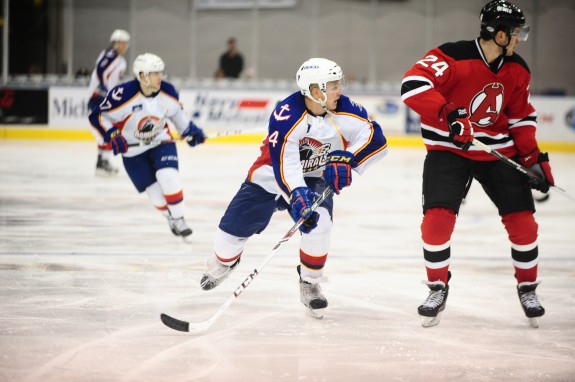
108	71
478	89
316	137
135	113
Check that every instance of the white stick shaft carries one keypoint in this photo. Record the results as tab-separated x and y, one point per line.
218	134
204	325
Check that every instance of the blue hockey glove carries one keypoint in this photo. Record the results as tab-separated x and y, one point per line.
116	140
301	200
194	135
337	171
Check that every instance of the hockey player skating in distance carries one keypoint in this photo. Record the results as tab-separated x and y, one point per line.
137	112
108	71
478	89
316	137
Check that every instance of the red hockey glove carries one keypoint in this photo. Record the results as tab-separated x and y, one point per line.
460	129
117	140
542	168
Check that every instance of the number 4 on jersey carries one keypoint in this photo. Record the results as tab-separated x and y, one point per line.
273	138
439	67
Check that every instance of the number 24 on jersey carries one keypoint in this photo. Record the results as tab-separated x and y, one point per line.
439	67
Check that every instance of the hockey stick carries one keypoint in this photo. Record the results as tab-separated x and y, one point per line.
202	326
510	162
218	134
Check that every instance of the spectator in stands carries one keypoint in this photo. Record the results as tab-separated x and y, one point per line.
231	61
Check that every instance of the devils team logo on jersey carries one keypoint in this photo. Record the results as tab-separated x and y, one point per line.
486	106
312	154
148	127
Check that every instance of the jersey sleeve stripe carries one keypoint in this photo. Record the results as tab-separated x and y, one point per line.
382	148
413	85
523	123
417	79
420	89
531	117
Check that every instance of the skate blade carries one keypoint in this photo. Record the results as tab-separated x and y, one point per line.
428	322
187	239
534	322
315	313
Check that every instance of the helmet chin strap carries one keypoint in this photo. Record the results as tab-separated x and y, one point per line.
506	45
322	103
148	84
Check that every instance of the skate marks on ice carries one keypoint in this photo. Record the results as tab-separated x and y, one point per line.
87	266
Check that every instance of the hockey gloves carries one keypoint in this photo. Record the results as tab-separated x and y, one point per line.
301	200
538	162
337	173
194	135
116	140
460	129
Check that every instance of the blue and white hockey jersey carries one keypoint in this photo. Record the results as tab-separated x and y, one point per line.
109	69
298	143
140	118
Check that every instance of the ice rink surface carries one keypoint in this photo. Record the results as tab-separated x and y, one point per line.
87	266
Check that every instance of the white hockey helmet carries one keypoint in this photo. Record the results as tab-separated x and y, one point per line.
120	35
318	71
147	63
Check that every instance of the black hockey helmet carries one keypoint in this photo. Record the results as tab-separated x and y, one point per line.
501	15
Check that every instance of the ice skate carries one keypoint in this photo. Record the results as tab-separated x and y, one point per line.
312	297
432	307
530	303
216	273
104	168
179	227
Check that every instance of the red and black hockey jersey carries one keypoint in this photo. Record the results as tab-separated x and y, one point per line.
496	96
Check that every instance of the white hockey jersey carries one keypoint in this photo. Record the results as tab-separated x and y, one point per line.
140	118
109	69
298	143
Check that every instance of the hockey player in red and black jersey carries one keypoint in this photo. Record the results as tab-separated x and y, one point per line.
478	89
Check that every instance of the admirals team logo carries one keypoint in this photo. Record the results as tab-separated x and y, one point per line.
148	127
486	106
312	154
282	115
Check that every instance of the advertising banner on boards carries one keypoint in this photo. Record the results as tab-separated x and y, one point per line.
222	109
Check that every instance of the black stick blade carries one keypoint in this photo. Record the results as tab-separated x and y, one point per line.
174	323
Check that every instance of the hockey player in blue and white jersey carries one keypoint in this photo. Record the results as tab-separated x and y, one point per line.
316	137
108	71
132	119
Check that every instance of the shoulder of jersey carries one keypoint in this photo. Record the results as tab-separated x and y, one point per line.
123	93
347	105
169	89
460	50
288	111
110	53
519	60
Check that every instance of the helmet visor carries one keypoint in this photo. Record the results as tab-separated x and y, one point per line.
522	32
336	86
